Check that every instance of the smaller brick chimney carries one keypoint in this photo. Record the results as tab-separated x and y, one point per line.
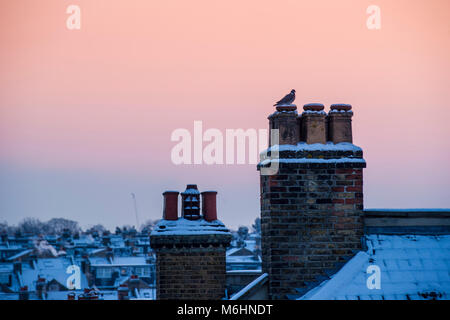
133	284
24	294
190	250
41	288
122	292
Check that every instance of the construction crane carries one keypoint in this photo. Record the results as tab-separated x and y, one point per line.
133	196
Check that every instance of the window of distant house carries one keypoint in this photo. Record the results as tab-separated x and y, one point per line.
4	277
143	272
103	273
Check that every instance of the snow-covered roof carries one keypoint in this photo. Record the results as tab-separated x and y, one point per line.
20	254
183	226
8	247
48	268
6	267
243	259
244	251
412	267
129	261
255	283
142	294
84	240
118	261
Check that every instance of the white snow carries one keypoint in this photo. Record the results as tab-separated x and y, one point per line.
341	111
248	287
303	146
191	191
189	227
410	265
313	160
313	112
48	268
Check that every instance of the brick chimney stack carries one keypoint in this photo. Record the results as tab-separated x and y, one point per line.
190	250
311	209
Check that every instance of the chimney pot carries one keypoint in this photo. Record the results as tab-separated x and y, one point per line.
285	120
313	128
313	107
170	211
191	202
341	106
340	123
209	205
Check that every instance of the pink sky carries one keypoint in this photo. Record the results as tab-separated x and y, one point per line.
86	115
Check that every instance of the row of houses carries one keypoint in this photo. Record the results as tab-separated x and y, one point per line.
110	267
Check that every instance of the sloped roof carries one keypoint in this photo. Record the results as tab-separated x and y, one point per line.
239	252
48	268
412	267
20	254
118	261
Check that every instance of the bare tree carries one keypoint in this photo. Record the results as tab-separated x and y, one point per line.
257	225
148	226
31	226
61	225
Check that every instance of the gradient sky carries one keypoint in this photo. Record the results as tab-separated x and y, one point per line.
86	115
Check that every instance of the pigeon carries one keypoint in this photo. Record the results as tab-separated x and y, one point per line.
288	99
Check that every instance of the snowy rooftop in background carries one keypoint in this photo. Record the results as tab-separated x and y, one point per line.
6	267
183	226
118	261
48	268
412	267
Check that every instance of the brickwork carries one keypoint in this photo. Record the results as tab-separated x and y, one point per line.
311	219
191	273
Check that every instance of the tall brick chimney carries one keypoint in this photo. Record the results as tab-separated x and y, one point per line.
311	209
190	250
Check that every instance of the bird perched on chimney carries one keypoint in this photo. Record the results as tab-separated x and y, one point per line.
288	99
